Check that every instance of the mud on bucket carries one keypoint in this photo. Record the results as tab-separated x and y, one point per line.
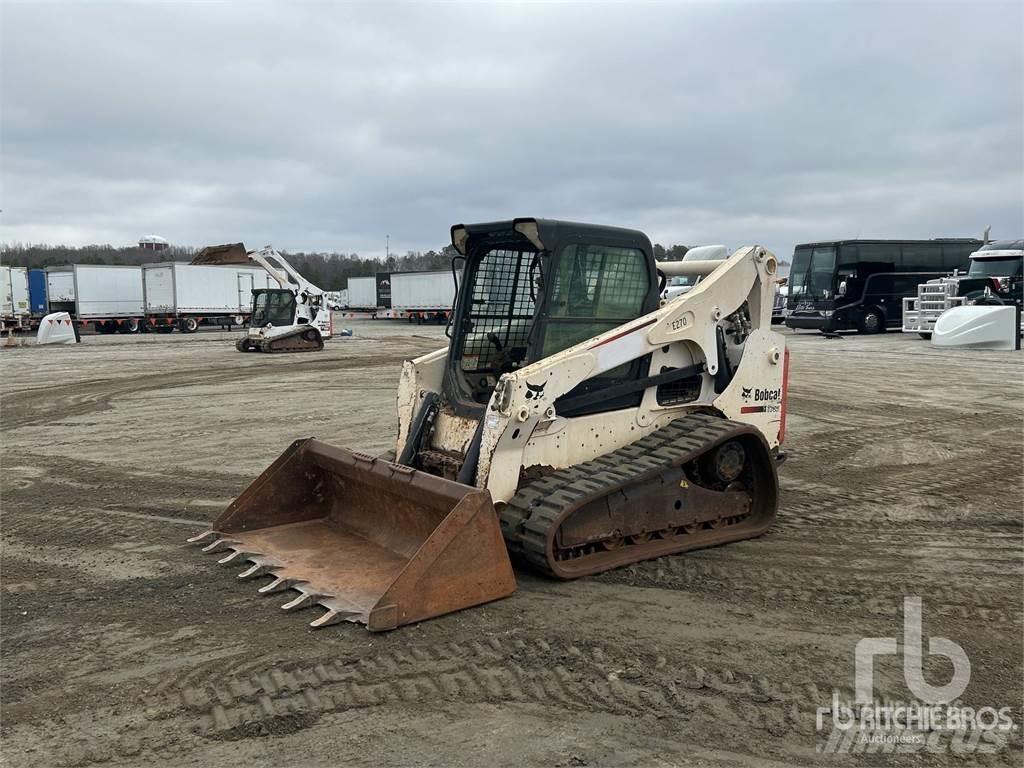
369	541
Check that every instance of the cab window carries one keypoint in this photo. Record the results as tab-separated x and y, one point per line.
595	288
274	307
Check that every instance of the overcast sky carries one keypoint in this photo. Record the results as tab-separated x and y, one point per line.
327	126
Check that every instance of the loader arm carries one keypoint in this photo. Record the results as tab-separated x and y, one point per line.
267	257
526	401
286	276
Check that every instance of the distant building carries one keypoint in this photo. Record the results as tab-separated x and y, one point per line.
153	243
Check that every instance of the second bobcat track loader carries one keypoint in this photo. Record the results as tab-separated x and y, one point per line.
291	318
575	420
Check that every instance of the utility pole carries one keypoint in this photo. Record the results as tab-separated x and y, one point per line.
387	247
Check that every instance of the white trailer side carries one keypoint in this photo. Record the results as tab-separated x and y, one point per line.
362	292
426	291
158	280
60	289
107	291
182	289
13	293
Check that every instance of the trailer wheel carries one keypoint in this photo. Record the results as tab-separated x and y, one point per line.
238	320
165	328
128	325
188	325
105	326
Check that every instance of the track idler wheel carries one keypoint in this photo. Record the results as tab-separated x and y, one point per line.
724	464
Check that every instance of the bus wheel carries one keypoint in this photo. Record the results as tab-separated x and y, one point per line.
872	322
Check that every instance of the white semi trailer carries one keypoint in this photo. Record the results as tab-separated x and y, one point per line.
414	296
14	298
422	296
362	293
186	296
111	298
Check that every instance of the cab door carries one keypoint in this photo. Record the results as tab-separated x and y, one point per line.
595	288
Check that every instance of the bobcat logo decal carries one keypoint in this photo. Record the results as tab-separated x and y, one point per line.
745	392
535	391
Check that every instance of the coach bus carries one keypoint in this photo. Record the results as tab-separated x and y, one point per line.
860	284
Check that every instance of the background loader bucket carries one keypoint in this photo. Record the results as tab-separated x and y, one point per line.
368	540
230	253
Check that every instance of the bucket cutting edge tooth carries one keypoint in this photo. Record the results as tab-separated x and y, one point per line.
304	600
220	545
279	584
236	555
333	616
201	537
257	569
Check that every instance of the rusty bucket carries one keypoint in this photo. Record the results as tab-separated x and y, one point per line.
368	540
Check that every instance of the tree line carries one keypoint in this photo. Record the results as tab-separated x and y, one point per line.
329	271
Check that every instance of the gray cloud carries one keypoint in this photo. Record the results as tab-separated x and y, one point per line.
327	126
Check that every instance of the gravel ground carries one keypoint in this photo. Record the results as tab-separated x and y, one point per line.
123	646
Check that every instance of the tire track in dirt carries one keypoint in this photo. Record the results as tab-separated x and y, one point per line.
855	437
845	589
281	699
62	401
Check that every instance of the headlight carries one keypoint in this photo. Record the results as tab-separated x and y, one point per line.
826	313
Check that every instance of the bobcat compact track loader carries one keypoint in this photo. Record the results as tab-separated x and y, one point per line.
575	421
292	318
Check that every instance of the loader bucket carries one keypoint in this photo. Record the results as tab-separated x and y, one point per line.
367	540
230	253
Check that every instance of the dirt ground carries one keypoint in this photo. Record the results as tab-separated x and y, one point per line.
122	646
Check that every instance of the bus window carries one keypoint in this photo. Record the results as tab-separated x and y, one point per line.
956	256
885	253
926	257
848	254
845	270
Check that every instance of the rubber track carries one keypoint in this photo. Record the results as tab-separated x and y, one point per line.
536	506
292	342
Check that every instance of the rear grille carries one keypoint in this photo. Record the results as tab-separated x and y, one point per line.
681	391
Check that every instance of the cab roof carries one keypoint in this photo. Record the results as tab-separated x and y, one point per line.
548	234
